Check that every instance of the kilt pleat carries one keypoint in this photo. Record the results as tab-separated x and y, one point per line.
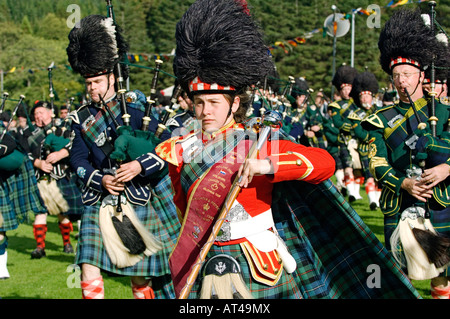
19	196
158	216
336	252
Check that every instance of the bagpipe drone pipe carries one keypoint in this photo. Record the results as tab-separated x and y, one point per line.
10	156
125	238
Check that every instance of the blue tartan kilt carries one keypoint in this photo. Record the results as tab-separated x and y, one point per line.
19	196
335	251
159	217
72	194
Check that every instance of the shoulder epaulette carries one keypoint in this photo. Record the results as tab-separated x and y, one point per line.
75	115
372	121
354	116
334	105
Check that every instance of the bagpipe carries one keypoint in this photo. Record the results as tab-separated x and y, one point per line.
124	236
58	136
10	157
427	252
131	144
170	111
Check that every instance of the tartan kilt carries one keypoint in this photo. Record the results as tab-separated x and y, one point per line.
341	248
19	196
332	246
72	194
158	216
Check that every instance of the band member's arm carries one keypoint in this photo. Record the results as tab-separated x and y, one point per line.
379	166
342	124
293	161
79	160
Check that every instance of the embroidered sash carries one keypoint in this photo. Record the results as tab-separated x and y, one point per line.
216	172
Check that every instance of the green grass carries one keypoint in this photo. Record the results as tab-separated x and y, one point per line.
53	277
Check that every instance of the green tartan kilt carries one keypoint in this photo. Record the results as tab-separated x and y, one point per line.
159	217
335	251
19	196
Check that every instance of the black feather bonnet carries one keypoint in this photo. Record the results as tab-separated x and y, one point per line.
405	39
96	46
364	82
219	48
344	75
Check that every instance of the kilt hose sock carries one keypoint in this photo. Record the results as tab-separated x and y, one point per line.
39	232
142	291
65	229
93	289
440	293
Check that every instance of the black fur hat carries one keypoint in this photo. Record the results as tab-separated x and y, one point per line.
96	46
364	82
39	103
344	75
405	39
300	87
220	46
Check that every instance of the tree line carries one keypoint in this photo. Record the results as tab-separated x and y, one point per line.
33	34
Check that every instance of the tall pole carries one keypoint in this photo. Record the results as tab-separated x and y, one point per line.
334	48
352	56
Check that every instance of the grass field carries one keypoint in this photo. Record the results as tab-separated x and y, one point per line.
55	276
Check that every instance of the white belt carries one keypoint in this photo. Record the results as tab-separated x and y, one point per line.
256	231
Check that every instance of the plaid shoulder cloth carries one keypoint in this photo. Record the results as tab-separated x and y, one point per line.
345	259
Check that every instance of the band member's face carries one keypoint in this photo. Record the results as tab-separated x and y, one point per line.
345	92
22	122
42	116
100	85
366	100
300	99
63	113
407	77
185	102
212	110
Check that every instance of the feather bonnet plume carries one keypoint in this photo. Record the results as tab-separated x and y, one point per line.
219	43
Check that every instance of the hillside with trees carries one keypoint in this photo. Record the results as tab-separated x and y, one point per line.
33	34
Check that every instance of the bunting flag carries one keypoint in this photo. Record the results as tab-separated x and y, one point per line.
287	45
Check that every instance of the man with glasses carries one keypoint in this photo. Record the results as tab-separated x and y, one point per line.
398	144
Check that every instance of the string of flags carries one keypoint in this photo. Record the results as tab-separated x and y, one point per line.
289	44
286	45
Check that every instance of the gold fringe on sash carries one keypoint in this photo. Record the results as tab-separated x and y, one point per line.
52	197
116	250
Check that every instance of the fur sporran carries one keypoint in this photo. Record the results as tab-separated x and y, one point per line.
125	238
52	197
415	248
